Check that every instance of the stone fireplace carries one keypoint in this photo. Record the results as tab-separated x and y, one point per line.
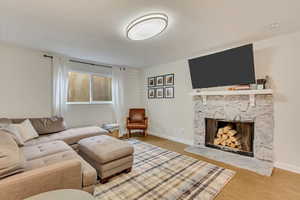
235	130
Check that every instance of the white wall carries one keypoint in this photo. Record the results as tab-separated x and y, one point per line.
279	58
26	89
172	118
25	83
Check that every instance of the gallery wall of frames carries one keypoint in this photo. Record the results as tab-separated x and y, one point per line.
161	87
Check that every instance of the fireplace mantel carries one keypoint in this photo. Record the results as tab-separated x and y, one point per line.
251	94
232	92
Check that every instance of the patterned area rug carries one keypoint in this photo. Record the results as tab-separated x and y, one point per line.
165	175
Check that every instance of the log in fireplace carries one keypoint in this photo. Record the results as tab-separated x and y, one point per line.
232	136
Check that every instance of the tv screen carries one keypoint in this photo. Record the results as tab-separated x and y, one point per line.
230	67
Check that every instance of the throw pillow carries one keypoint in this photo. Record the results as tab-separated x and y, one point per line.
14	132
26	130
48	125
12	159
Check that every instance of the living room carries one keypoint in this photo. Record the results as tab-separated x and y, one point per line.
79	76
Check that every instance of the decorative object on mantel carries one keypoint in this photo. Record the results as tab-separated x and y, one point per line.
253	86
261	83
240	87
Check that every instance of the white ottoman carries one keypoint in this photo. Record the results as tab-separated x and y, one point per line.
108	155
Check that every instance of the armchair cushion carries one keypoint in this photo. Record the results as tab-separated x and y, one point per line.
137	115
136	126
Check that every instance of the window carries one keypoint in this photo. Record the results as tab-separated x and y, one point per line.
89	88
79	87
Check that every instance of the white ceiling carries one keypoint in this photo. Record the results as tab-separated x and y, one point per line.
94	29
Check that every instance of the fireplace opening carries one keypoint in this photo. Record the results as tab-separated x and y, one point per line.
232	136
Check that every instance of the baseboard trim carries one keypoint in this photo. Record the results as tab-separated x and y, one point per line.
175	139
288	167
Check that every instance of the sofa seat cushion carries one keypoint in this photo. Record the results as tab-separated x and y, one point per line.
89	174
12	159
39	140
73	135
104	149
44	149
70	136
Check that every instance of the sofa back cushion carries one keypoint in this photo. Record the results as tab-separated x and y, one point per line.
5	121
12	159
46	125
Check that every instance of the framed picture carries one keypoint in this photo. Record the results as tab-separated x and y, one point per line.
151	93
160	80
169	78
159	93
169	92
151	82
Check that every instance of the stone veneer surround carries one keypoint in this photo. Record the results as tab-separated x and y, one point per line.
239	108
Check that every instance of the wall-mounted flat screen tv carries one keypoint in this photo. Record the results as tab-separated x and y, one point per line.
230	67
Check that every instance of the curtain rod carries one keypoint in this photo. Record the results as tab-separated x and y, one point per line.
76	61
46	56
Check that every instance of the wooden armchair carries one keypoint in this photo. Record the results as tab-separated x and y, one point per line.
137	120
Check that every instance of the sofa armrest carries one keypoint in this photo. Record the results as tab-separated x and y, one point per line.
64	175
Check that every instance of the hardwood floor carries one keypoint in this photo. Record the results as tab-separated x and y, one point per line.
245	185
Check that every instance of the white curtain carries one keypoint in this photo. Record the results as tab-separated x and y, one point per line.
60	80
118	98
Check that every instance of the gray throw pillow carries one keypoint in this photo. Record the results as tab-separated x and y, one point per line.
12	159
14	132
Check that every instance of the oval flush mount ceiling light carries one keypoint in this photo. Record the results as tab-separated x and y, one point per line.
147	26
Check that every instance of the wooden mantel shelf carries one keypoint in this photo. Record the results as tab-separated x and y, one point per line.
232	92
251	94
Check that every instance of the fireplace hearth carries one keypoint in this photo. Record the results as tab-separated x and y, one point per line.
231	136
